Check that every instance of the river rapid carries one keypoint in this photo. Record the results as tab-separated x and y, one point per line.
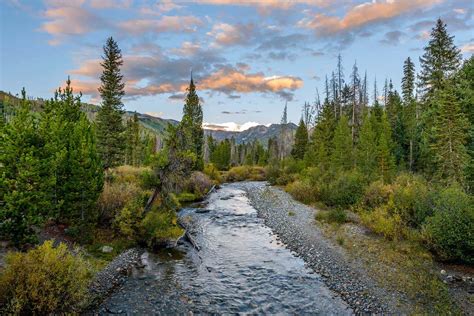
241	267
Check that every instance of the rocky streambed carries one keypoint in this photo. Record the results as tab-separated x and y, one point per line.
241	266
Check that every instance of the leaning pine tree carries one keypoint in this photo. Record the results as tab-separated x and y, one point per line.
191	125
110	128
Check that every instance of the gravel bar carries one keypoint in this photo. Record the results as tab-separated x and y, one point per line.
113	275
300	234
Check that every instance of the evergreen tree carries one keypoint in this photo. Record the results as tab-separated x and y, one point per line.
341	157
72	146
409	111
133	147
110	128
27	176
440	59
191	124
408	81
319	147
366	150
385	158
465	93
449	138
301	141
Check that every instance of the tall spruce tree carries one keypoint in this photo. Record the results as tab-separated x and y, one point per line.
301	141
366	150
341	157
409	111
191	124
385	158
440	59
449	138
110	128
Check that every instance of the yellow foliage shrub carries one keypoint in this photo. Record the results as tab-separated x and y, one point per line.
114	197
44	280
382	222
302	191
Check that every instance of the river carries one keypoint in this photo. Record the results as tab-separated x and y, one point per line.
241	267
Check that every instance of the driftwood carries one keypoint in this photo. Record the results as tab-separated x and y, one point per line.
150	201
211	190
189	237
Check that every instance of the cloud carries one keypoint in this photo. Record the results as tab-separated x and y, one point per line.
229	80
160	7
230	126
468	48
110	4
269	4
392	37
227	35
282	42
361	15
69	20
186	49
186	24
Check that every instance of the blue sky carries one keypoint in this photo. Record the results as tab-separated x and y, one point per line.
248	57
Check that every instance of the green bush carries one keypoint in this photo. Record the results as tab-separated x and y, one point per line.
113	198
381	221
239	173
43	281
160	227
303	191
376	194
128	220
273	172
412	199
345	190
337	215
212	172
450	231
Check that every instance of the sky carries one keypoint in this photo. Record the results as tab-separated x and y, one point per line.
248	58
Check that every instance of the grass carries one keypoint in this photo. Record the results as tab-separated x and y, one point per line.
400	266
336	216
106	237
291	213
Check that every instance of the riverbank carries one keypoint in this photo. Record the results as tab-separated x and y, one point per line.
370	274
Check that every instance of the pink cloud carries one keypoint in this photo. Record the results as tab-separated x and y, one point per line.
165	24
363	14
226	34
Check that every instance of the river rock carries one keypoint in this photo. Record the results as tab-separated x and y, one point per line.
107	249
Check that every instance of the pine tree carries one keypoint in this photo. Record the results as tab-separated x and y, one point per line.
408	81
449	138
133	147
71	143
440	59
366	150
409	111
110	128
27	176
385	158
191	124
301	141
320	145
341	157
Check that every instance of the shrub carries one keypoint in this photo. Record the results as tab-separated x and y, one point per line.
345	190
272	172
242	173
129	218
188	197
337	215
376	194
198	183
450	231
44	280
303	191
412	199
257	173
160	227
381	221
113	198
212	172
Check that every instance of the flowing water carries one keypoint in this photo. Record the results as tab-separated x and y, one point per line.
241	268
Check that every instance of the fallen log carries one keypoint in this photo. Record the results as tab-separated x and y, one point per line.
188	236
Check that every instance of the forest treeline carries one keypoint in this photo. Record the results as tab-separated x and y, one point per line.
403	160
